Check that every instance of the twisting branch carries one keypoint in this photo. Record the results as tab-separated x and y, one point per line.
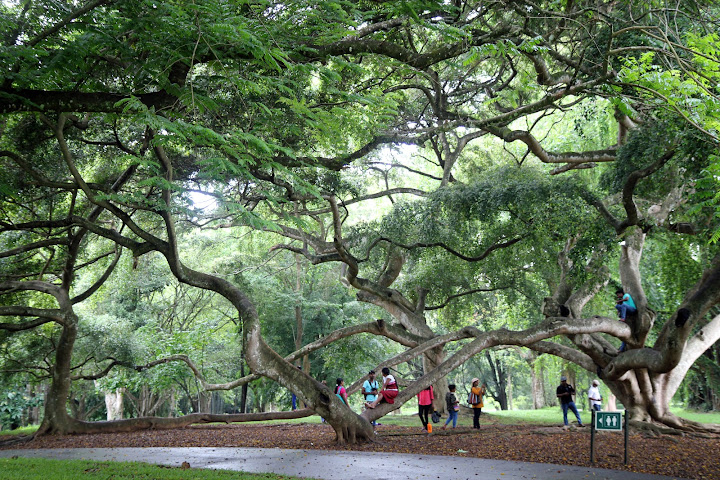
463	294
452	251
629	189
100	281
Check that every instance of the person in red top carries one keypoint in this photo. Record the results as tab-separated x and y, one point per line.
340	390
425	405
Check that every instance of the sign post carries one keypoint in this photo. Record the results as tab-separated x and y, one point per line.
611	421
607	421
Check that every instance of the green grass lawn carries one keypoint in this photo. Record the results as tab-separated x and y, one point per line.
702	417
21	431
553	415
407	418
42	469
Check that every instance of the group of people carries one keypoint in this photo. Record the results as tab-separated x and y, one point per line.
374	394
565	393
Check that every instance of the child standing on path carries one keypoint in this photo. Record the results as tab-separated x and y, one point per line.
453	406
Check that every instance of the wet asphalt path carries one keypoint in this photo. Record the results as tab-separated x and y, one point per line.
333	465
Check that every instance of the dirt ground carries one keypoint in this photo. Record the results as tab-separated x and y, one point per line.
685	457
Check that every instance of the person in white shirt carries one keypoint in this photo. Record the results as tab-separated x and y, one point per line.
594	396
388	392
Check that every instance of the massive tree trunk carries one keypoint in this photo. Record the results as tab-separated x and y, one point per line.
645	379
56	418
410	315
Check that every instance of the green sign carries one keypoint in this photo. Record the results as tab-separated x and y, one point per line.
608	421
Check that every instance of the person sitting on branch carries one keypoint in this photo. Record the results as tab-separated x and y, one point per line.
388	392
624	304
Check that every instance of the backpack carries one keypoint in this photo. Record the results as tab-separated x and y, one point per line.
473	398
435	417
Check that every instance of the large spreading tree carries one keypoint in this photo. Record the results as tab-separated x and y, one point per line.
550	141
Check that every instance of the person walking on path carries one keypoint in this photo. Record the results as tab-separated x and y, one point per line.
565	392
425	405
453	406
594	396
476	400
388	392
370	389
340	390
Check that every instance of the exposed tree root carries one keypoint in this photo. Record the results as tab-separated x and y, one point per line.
16	440
72	426
675	426
351	435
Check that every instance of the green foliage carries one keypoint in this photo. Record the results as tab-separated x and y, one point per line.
708	195
14	404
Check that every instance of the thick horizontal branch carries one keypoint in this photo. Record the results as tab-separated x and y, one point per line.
25	100
164	423
595	156
553	326
564	352
30	285
20	311
420	61
34	246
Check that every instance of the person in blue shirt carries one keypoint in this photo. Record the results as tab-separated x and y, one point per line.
624	304
370	390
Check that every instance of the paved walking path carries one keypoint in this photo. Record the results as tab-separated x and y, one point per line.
331	465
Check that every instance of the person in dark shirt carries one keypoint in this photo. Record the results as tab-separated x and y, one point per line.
565	392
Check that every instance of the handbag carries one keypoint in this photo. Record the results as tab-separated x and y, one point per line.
435	417
473	399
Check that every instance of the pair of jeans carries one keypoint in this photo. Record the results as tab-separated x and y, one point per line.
597	407
452	415
476	417
571	406
623	310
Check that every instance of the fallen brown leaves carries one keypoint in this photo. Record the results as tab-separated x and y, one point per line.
685	457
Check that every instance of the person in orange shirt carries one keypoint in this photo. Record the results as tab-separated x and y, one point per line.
478	391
